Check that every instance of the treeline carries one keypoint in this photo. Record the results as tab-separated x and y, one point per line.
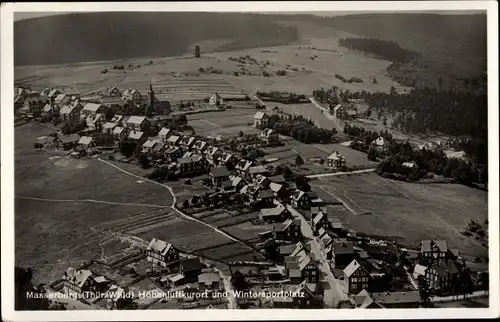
348	80
383	49
428	165
282	97
300	128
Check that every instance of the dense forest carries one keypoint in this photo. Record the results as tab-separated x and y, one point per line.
382	49
119	35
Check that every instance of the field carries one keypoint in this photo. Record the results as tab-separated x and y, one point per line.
411	211
227	123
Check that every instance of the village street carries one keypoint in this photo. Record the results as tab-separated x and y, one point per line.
332	174
333	292
327	114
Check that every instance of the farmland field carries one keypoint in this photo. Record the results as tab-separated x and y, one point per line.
411	211
226	123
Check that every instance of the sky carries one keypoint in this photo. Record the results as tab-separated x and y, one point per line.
28	15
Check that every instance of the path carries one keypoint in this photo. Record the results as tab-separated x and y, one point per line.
332	174
92	201
334	294
174	201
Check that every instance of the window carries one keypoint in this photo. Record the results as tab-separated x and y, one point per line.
306	273
314	273
354	279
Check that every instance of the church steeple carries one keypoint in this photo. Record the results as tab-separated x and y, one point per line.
152	99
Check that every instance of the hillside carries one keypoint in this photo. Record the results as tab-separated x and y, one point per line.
111	36
451	46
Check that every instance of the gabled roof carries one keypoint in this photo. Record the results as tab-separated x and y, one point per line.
208	278
379	141
191	264
336	156
216	96
259	115
136	120
59	97
287	249
226	156
173	139
434	245
200	144
244	165
275	187
78	277
259	169
419	269
298	194
341	248
271	212
236	181
277	179
218	172
85	140
159	246
117	118
109	125
135	135
47	108
118	130
149	144
211	150
187	140
164	131
69	138
318	217
67	109
352	267
445	268
187	154
268	193
93	107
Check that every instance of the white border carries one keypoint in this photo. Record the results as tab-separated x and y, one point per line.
7	158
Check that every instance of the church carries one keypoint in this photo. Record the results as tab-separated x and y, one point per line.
157	105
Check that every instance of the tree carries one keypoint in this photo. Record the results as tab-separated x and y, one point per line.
38	146
238	281
299	161
109	114
302	183
185	204
241	134
384	121
374	81
127	148
372	154
23	285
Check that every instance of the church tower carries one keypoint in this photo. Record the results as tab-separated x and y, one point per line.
152	98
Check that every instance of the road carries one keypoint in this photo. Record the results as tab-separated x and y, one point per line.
334	294
92	201
332	174
327	114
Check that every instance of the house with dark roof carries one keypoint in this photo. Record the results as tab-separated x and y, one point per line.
191	268
71	113
209	282
137	136
342	253
289	230
356	278
300	267
200	146
193	164
173	140
258	170
300	200
228	159
218	175
440	275
77	282
215	100
265	198
92	109
433	249
319	219
67	142
242	167
164	134
138	123
161	253
260	119
237	182
187	142
172	153
213	154
363	300
336	160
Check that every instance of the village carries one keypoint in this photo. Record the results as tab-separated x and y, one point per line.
305	251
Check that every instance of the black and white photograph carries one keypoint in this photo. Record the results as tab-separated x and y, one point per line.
249	158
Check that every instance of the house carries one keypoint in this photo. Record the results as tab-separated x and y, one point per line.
300	200
187	141
86	142
71	113
62	99
53	93
315	200
336	160
215	100
409	165
319	219
433	249
336	226
228	159
76	282
164	134
280	192
406	299
288	250
113	92
209	282
343	112
191	268
262	181
148	146
309	295
252	191
116	298
219	174
161	253
120	133
176	280
289	230
108	127
200	146
301	267
158	148
172	153
268	135
279	179
243	166
67	142
47	109
258	170
440	275
132	95
326	240
92	109
237	182
380	144
173	140
342	253
192	165
212	154
277	214
95	121
265	198
356	278
260	119
138	123
136	136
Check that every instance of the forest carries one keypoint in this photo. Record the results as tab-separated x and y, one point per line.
382	49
